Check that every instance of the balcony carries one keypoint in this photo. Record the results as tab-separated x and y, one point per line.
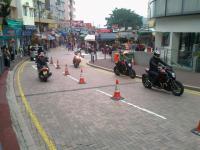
163	8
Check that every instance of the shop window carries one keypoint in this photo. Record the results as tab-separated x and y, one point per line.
165	39
189	43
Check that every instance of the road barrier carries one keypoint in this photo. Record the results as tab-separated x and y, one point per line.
82	80
66	72
197	130
117	95
51	60
57	65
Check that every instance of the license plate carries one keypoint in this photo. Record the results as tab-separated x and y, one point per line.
44	72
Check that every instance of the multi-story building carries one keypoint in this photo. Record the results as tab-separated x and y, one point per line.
11	33
25	12
53	13
177	32
43	15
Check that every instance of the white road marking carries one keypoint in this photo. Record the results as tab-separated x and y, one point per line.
143	109
104	93
34	67
73	78
140	108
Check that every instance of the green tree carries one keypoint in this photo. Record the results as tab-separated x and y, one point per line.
5	10
124	18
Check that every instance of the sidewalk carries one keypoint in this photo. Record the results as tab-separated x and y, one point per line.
8	139
191	80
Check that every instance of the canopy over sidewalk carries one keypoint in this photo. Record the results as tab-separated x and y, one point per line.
89	37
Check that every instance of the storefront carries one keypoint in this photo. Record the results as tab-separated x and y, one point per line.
27	33
189	43
11	31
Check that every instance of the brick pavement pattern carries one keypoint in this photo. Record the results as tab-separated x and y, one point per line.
78	117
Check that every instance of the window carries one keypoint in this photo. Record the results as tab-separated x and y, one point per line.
160	8
191	6
165	39
25	10
189	42
174	7
31	12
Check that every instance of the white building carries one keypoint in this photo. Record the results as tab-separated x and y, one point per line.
25	10
177	35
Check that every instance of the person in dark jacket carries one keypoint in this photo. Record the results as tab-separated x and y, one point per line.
153	66
42	61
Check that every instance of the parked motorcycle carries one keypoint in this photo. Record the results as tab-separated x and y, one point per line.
77	59
44	73
125	68
166	80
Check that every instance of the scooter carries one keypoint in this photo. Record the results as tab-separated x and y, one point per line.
44	73
125	68
166	80
77	59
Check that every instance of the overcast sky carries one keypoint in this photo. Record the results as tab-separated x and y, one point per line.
95	11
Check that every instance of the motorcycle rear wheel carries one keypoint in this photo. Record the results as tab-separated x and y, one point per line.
132	73
177	88
146	82
76	65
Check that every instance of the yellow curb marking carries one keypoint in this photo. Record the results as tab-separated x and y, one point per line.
50	144
192	92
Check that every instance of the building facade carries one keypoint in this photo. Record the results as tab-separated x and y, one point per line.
177	32
26	14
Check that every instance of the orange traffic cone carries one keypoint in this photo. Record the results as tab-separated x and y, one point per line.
66	71
82	80
51	60
57	65
196	130
117	95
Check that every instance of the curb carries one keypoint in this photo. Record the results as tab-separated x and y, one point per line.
189	87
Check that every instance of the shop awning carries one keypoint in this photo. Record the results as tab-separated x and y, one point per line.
107	36
90	37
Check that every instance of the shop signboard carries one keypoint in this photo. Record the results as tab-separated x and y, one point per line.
8	32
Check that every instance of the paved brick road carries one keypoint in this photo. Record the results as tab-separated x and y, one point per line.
83	117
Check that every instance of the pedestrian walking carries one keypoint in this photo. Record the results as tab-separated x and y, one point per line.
7	57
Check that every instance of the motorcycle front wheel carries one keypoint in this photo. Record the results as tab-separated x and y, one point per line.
146	82
116	71
177	88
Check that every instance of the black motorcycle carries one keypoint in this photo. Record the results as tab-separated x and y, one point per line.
125	68
166	80
43	70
